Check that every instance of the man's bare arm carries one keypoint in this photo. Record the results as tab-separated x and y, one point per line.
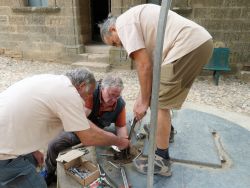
95	136
122	132
144	70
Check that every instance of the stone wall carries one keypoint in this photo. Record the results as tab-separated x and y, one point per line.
43	32
228	21
62	28
120	6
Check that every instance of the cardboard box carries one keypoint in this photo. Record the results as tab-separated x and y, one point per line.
74	159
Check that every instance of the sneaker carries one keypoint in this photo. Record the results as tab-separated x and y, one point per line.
161	166
48	177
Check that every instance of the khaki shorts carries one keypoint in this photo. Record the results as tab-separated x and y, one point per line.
177	77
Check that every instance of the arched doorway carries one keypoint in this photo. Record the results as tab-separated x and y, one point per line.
99	11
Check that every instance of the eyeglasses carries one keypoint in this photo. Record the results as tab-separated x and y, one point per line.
112	96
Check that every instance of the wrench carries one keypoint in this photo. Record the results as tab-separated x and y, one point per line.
132	128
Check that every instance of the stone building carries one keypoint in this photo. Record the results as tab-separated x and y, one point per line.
66	30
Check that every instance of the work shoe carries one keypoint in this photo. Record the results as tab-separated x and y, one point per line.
161	166
172	133
48	177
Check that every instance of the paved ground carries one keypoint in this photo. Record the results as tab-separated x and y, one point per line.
209	151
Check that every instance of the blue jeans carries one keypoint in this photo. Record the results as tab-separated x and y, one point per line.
20	173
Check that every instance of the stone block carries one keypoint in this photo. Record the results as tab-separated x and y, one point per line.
231	13
67	39
5	3
236	3
51	31
41	55
3	20
13	53
74	49
7	29
101	49
35	19
69	31
230	36
93	66
17	20
102	58
206	3
218	13
217	35
58	21
239	56
39	37
119	58
6	43
212	24
5	10
243	47
67	11
235	25
2	51
245	13
66	3
19	37
244	36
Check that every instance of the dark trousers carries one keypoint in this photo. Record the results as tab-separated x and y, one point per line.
63	141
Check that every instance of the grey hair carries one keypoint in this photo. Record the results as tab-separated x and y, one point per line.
77	76
104	27
112	81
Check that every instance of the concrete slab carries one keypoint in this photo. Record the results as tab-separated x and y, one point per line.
193	135
194	142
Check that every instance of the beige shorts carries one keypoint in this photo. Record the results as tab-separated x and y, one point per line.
177	77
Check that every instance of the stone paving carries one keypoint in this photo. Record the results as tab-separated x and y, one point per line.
231	94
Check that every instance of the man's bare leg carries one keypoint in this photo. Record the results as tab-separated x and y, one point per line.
163	132
163	129
162	163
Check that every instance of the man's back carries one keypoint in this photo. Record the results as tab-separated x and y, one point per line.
137	28
32	109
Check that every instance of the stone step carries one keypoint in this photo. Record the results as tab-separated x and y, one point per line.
93	66
97	49
94	57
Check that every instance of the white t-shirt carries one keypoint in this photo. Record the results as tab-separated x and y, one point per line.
34	110
137	29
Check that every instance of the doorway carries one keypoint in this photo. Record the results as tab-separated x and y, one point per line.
99	12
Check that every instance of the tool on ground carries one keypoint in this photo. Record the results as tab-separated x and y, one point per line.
81	173
77	146
101	174
107	154
124	177
113	164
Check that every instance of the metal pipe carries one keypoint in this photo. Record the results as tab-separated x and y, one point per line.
165	6
124	178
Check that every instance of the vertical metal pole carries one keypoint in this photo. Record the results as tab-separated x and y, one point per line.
165	6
